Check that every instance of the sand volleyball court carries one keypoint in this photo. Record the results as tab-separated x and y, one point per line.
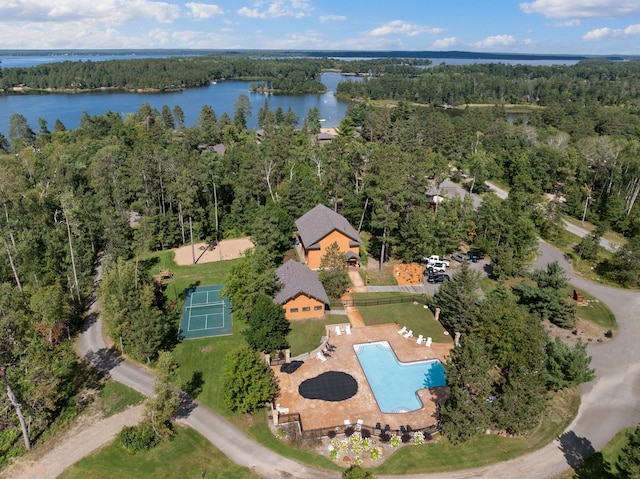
207	252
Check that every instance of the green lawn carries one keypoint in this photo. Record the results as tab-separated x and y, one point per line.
484	449
115	397
596	312
306	334
185	276
414	317
188	454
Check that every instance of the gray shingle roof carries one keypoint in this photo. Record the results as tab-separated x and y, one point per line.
296	278
318	222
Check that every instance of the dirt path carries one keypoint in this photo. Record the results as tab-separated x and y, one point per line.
88	434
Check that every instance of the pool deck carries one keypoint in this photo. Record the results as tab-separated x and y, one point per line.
315	414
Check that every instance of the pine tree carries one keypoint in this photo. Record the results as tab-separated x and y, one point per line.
467	410
457	300
629	460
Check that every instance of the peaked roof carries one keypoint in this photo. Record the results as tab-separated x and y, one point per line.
318	222
296	278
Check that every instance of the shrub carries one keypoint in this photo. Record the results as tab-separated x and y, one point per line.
138	438
366	433
406	437
395	441
331	434
349	431
385	437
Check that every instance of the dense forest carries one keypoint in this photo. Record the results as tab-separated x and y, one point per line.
68	196
280	75
590	82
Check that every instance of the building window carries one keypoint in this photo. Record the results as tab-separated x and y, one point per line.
293	310
306	308
318	308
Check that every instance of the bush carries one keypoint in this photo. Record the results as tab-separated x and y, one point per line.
138	438
349	431
385	437
406	437
331	434
366	433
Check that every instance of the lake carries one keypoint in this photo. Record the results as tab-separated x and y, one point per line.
69	107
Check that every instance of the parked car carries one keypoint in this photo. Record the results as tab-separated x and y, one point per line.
437	278
459	257
438	267
434	258
475	256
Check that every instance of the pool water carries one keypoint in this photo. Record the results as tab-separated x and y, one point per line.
395	384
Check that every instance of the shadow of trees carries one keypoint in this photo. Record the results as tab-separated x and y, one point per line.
575	449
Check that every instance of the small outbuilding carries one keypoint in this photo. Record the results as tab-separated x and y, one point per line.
302	295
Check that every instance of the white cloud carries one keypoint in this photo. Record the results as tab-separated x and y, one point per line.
332	18
445	43
277	8
398	27
607	33
203	10
568	24
495	40
108	12
582	8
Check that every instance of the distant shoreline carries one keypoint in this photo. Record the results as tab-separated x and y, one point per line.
317	53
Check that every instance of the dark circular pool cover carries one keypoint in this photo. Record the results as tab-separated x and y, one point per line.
329	386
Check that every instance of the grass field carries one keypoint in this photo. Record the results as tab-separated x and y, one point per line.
414	317
187	454
115	397
305	335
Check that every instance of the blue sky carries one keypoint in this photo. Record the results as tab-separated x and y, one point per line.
533	26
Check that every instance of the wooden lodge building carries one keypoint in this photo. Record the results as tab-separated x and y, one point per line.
319	228
302	295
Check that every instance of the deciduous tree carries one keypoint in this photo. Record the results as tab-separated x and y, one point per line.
247	381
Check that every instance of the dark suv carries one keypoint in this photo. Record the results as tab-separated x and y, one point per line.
475	256
437	278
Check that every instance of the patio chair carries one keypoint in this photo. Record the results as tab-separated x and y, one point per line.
427	343
408	334
403	330
420	338
321	357
402	430
359	423
387	428
338	332
347	329
378	428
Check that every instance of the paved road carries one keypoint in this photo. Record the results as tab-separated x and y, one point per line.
570	227
608	403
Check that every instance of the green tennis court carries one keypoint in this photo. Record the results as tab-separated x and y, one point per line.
205	313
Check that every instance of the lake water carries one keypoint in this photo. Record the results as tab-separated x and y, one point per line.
69	107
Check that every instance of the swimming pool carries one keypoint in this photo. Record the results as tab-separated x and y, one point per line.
394	384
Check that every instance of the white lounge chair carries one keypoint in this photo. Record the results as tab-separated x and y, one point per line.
427	343
282	410
420	338
347	423
338	331
347	329
321	357
403	330
408	334
359	424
